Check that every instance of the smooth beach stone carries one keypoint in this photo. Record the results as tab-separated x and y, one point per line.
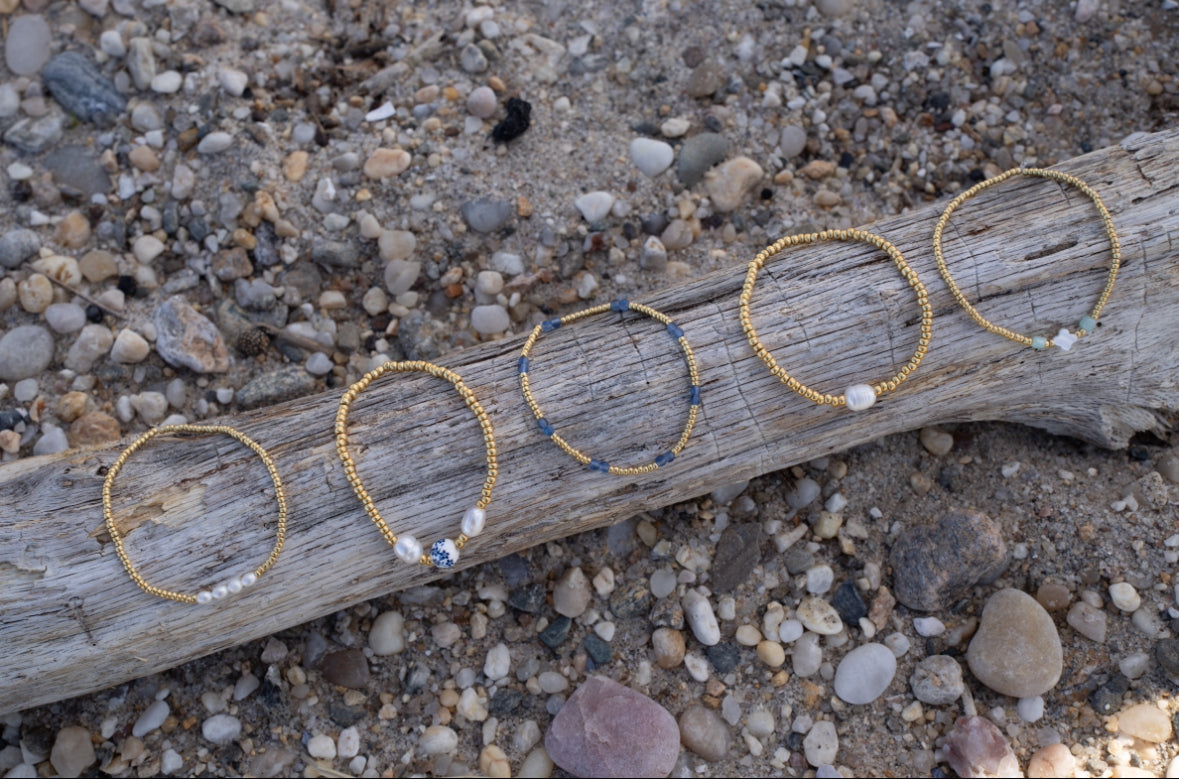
1145	721
1016	650
865	673
609	730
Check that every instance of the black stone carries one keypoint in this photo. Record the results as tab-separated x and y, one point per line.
10	418
93	313
530	600
416	679
76	83
198	228
599	651
345	716
505	701
516	123
724	657
848	603
1107	698
128	286
654	224
935	565
1166	652
556	633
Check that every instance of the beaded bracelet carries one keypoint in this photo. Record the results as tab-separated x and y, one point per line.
857	397
1064	339
444	553
236	583
619	306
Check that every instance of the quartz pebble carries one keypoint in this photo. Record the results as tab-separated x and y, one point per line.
937	680
819	616
481	102
865	673
129	347
1145	721
72	751
215	143
1088	621
348	743
321	747
701	618
385	163
976	748
1054	760
594	206
16	246
387	636
792	141
650	156
936	441
571	595
1016	650
807	655
606	729
221	728
439	740
1125	597
490	320
498	662
704	732
731	182
486	215
668	645
821	744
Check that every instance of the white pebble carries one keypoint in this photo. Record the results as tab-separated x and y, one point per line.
1124	596
233	82
701	618
819	579
52	441
151	719
221	728
865	673
929	626
1134	665
481	102
321	747
663	582
439	740
348	744
215	142
594	206
387	636
821	745
1030	709
171	762
490	320
898	643
650	156
65	317
167	83
318	364
790	631
146	248
498	663
807	655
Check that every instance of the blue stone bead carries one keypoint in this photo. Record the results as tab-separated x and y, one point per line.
522	365
544	426
675	330
1088	324
620	305
601	466
1039	342
694	395
664	459
549	325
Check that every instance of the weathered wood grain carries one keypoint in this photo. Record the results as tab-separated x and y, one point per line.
1033	255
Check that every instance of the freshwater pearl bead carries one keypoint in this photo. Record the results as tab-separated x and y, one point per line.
204	596
444	553
473	522
249	578
220	591
234	585
860	397
408	548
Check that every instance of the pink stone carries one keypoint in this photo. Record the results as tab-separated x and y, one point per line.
975	747
608	730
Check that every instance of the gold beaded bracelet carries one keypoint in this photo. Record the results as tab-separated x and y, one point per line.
857	397
444	553
1064	339
620	306
234	584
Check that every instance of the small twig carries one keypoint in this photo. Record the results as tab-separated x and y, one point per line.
295	340
82	295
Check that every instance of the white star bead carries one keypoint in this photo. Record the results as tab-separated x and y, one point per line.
408	548
860	397
1064	339
473	522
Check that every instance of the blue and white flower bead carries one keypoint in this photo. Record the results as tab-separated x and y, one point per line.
860	397
444	553
223	590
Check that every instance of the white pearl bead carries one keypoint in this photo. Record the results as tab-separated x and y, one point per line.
860	397
204	596
473	521
249	578
234	585
408	549
220	591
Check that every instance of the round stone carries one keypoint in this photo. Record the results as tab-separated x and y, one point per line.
26	48
650	156
937	680
481	102
1016	650
865	673
731	182
594	206
444	553
819	616
387	636
25	351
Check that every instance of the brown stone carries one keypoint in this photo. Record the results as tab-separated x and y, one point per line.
94	428
934	565
818	169
73	231
71	406
144	158
98	266
1016	650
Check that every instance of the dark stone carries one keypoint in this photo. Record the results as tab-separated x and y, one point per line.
516	123
1166	652
93	313
416	679
698	154
599	651
198	229
848	603
10	418
556	633
78	86
724	657
667	613
16	246
530	600
515	571
505	701
934	565
737	553
284	383
631	599
798	560
266	245
127	285
77	168
304	278
337	254
654	224
345	716
1107	698
345	667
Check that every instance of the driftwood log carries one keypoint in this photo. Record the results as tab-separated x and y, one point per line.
1031	253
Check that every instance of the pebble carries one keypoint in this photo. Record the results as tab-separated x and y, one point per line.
802	493
1134	664
186	339
669	647
232	81
701	618
821	744
1145	721
167	83
397	245
571	594
35	293
865	673
698	154
663	582
1125	597
171	762
490	320
731	182
438	740
221	728
72	751
975	747
1054	760
937	680
1030	709
650	156
771	653
215	143
819	616
705	79
25	351
26	47
792	141
928	627
1016	650
348	743
486	215
1053	596
934	565
807	655
1088	621
141	62
704	732
387	636
53	440
129	347
385	163
819	579
481	102
16	246
498	662
321	747
790	631
594	206
92	343
345	667
1148	622
472	59
552	682
318	364
77	85
936	441
606	729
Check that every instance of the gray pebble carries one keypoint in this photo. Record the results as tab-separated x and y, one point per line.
698	154
507	263
146	117
936	564
35	134
237	6
705	79
490	320
472	59
141	62
336	253
400	275
792	141
151	719
289	381
185	338
215	143
81	89
17	246
704	732
92	343
486	215
78	168
803	493
25	351
654	255
52	441
481	102
26	48
937	680
319	364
